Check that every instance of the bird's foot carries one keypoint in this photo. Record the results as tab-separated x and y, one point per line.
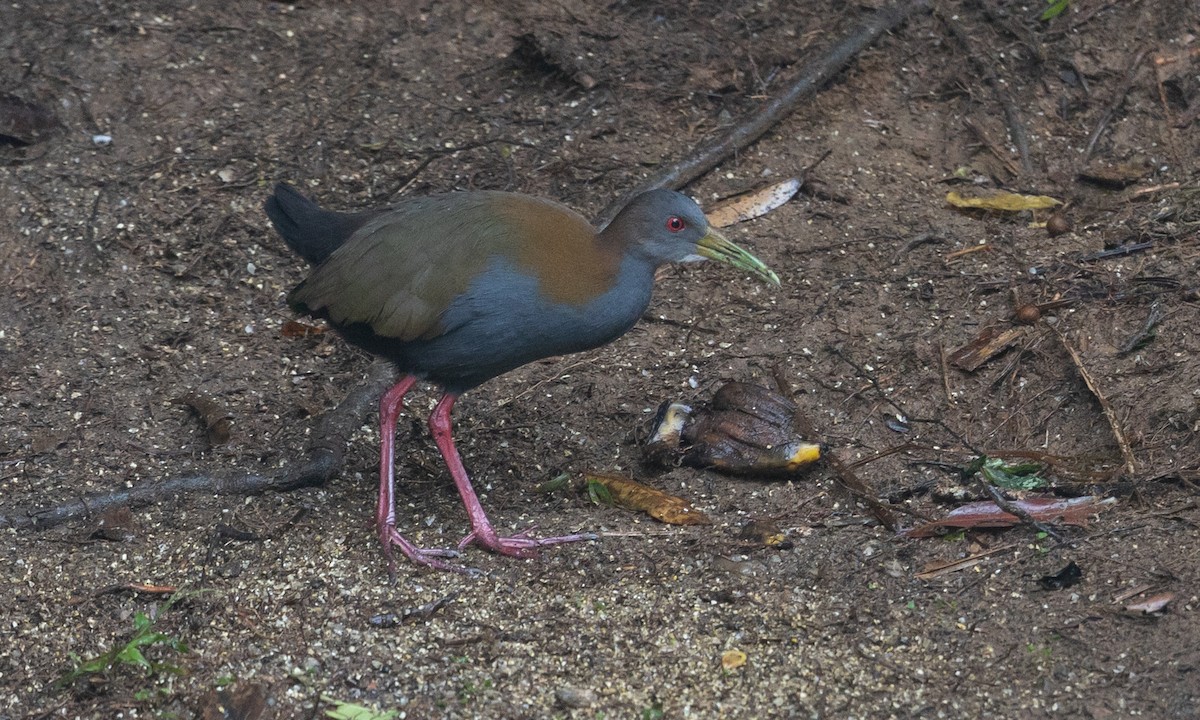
429	557
520	545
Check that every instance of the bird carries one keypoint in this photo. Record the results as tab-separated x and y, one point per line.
457	288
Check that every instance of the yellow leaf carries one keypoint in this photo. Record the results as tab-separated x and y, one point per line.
732	659
657	504
1008	202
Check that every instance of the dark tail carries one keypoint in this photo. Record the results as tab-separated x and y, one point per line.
311	232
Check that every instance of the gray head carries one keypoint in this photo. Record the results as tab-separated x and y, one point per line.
666	226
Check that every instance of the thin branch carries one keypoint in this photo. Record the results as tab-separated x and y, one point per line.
1115	105
757	123
1109	413
983	66
1016	510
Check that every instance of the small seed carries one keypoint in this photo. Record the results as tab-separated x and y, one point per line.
1028	314
1057	225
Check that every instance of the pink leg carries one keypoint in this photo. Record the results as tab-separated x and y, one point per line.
385	515
482	532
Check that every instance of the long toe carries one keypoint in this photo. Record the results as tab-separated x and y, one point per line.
520	545
429	557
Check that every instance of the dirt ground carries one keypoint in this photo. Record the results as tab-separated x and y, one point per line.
141	268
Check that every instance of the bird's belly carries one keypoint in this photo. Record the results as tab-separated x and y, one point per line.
503	322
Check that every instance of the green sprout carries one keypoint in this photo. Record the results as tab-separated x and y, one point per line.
350	711
133	653
995	471
1055	9
599	493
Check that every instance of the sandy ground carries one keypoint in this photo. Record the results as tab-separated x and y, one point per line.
141	269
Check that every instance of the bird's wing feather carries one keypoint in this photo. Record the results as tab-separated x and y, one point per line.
400	271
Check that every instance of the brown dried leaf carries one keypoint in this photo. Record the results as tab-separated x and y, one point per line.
49	440
766	405
990	342
216	419
1151	605
986	514
755	203
633	495
732	660
248	702
115	525
1115	176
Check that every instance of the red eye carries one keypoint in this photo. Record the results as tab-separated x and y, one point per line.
675	223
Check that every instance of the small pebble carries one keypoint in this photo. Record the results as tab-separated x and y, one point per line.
574	697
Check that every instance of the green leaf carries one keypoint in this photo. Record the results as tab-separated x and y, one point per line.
1012	477
555	484
599	493
654	712
130	655
1056	8
350	711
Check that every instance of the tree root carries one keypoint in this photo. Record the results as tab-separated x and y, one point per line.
756	124
321	461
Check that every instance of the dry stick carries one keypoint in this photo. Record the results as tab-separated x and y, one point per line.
321	461
998	152
847	480
324	456
1016	510
1109	413
856	487
759	122
1112	108
983	65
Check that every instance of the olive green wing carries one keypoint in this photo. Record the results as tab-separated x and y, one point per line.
400	271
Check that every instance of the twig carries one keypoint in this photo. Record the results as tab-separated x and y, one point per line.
399	186
757	123
558	373
1126	249
967	251
855	487
887	398
983	137
983	65
1142	336
945	373
1016	510
1113	107
1156	188
320	462
1109	414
